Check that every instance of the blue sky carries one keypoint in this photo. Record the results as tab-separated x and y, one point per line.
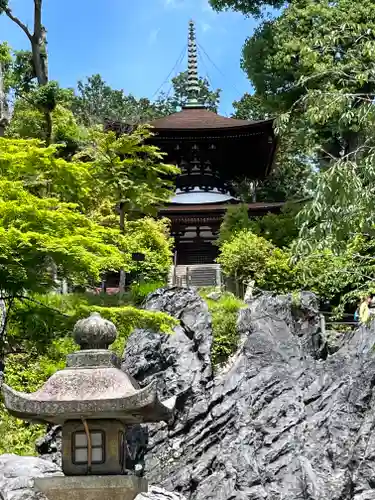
134	44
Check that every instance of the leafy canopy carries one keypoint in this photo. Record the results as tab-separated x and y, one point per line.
248	7
49	211
207	96
250	257
35	233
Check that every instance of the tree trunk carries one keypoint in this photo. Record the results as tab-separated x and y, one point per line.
38	41
48	118
39	61
39	45
4	117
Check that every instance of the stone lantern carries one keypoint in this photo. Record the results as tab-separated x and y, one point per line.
94	401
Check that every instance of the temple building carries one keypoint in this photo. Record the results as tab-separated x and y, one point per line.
213	152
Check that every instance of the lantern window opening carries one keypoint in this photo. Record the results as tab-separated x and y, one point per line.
80	448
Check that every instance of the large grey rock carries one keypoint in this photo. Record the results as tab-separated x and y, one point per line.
179	362
284	421
17	476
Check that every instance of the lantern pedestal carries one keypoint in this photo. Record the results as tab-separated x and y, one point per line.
91	487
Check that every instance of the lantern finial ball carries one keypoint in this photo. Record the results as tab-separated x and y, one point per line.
94	332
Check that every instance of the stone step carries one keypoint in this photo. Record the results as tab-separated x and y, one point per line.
198	275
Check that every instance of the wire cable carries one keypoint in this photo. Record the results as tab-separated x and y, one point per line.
217	68
178	62
207	74
201	59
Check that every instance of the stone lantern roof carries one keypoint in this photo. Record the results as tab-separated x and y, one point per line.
92	386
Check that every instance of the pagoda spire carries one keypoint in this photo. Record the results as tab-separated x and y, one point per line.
193	81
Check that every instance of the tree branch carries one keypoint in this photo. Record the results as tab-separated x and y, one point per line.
15	19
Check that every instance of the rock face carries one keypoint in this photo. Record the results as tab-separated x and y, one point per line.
17	476
180	362
284	420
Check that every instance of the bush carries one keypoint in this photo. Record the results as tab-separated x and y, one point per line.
150	237
250	257
280	229
236	219
224	314
140	291
27	372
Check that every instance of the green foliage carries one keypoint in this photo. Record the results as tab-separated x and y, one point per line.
171	104
23	76
129	171
97	102
28	122
140	291
224	320
326	274
235	219
35	232
248	7
47	213
38	320
343	277
281	229
250	257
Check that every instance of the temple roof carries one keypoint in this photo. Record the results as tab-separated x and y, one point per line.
199	196
201	119
217	207
92	386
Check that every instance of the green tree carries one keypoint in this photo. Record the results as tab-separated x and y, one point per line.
30	71
248	7
236	219
247	256
96	102
281	229
314	66
130	172
56	189
171	104
37	234
28	122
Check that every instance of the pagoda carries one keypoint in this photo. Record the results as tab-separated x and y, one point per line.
213	152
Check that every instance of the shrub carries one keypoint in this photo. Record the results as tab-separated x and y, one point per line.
140	291
248	256
236	219
224	314
280	229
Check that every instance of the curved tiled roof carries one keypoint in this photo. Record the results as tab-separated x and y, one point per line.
199	118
